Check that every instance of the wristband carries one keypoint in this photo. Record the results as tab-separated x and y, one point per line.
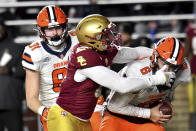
144	113
41	109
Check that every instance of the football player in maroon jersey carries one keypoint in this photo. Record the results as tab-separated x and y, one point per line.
88	69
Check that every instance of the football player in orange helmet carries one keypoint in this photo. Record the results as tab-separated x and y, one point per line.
139	111
52	18
88	69
45	60
169	51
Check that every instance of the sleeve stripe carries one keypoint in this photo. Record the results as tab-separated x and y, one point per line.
26	57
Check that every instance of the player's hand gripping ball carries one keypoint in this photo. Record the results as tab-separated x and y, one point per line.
166	108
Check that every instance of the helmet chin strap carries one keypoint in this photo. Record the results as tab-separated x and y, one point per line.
54	43
154	64
59	48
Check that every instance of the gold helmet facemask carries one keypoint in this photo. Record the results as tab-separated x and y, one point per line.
98	32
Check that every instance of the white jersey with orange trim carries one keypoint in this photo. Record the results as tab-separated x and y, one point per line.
138	103
51	64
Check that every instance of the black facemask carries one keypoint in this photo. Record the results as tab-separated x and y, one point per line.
55	38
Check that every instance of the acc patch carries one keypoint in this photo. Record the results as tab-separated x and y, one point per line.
82	48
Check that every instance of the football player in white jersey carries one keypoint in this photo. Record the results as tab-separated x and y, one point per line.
139	111
45	61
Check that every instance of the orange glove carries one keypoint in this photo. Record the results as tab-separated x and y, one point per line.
45	113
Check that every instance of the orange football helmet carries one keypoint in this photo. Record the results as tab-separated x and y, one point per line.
170	50
98	32
51	17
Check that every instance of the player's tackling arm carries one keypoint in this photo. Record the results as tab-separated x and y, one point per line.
32	90
128	54
108	78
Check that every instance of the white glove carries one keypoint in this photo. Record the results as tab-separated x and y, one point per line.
162	78
78	77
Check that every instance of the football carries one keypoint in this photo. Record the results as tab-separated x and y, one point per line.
166	108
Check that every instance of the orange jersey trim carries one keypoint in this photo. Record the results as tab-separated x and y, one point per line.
27	58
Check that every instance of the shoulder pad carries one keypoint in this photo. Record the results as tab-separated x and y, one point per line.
184	73
33	52
82	48
139	68
86	57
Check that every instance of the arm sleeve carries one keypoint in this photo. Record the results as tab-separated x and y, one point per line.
128	54
113	80
119	104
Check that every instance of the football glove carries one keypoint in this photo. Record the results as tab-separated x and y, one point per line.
43	111
163	78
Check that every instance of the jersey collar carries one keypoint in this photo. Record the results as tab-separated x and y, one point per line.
58	54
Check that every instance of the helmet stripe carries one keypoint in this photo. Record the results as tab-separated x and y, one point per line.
176	49
51	14
48	14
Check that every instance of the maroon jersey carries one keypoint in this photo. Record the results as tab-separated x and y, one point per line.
79	98
191	34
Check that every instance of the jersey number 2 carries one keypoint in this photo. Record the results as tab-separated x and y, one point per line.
58	76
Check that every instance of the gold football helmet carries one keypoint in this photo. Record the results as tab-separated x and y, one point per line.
98	32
